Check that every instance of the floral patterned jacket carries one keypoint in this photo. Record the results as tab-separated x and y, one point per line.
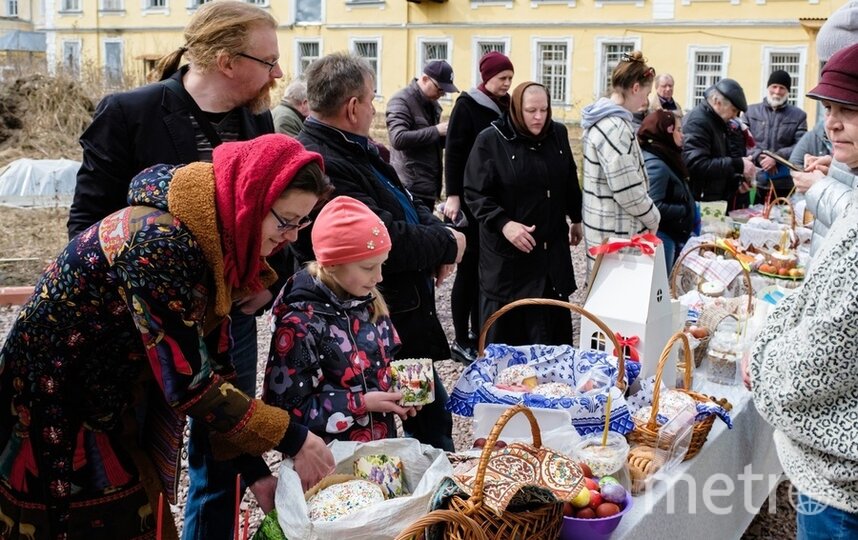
325	355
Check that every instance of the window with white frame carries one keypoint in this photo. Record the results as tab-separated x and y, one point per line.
369	49
71	5
71	58
306	53
257	2
308	11
113	64
429	49
12	8
612	53
111	5
155	4
193	4
707	68
552	68
791	62
483	47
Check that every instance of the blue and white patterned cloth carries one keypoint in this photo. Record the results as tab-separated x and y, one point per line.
556	363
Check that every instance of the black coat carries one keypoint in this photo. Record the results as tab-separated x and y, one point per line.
672	196
467	120
418	249
511	178
715	175
417	145
131	131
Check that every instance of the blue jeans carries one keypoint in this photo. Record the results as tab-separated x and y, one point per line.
816	523
210	508
669	250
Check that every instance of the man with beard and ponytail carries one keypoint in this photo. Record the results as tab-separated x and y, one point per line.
777	127
220	95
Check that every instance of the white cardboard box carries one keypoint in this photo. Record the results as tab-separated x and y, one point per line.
629	292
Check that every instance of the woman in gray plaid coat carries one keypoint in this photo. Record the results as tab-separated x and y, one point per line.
616	202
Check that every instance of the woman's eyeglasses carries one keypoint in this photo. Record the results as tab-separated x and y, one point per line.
271	65
284	225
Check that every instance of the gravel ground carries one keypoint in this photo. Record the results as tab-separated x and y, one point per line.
779	524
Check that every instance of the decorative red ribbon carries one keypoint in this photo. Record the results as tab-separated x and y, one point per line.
643	242
629	342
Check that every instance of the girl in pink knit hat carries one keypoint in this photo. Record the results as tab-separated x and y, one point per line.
333	339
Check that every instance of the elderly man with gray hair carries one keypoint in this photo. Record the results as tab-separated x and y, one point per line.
289	116
715	174
341	88
663	98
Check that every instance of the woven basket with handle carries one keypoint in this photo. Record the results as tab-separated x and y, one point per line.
468	527
481	345
646	433
539	523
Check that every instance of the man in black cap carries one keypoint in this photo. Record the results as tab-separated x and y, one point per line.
777	126
417	133
715	174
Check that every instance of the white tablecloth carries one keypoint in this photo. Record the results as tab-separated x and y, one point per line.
712	495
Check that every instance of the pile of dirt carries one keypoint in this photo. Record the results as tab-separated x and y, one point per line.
42	116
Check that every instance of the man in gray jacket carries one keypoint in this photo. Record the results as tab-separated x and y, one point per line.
417	133
776	126
293	109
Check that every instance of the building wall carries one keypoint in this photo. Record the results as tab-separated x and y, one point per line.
675	36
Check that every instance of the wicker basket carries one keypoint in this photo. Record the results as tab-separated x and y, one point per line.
710	247
481	345
767	210
540	523
647	433
417	530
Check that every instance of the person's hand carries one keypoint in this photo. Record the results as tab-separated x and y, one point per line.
576	234
768	163
313	461
442	128
519	235
251	304
744	187
452	206
817	163
263	491
746	370
804	180
443	273
385	402
461	244
749	170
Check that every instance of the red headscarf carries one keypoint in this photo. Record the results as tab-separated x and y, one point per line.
249	177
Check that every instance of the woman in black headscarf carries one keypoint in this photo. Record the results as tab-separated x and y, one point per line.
521	183
660	137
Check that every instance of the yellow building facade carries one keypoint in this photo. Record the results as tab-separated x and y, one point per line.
569	45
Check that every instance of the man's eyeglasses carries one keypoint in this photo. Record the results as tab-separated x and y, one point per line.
284	225
271	65
438	88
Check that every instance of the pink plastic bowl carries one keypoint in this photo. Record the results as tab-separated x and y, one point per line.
593	529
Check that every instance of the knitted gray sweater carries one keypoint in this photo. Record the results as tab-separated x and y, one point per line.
804	369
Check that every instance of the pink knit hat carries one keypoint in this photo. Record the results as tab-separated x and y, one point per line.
346	230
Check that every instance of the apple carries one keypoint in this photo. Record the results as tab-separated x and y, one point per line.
607	510
591	484
582	499
479	443
595	499
569	510
585	469
586	513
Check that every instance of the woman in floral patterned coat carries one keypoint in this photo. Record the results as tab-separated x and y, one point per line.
124	336
333	340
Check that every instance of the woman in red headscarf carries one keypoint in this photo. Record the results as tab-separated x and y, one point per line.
125	334
660	137
521	183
